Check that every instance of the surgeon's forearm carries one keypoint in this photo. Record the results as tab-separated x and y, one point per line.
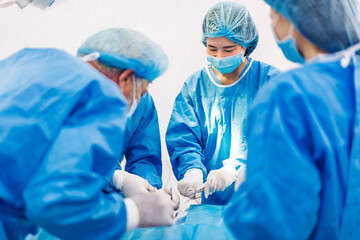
147	170
69	217
191	160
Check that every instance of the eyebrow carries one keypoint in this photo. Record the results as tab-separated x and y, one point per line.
226	47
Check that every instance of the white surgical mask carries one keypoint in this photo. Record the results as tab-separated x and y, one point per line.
134	101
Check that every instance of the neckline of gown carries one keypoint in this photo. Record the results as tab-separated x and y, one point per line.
217	82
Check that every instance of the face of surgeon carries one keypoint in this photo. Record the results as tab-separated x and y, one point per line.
126	84
222	47
282	29
125	81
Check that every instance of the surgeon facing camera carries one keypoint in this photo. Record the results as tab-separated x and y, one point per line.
207	134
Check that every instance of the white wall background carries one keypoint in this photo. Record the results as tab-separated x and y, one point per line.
175	25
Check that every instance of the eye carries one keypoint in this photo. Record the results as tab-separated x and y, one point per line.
229	50
212	49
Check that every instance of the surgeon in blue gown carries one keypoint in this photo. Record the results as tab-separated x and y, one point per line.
303	172
142	144
207	134
62	125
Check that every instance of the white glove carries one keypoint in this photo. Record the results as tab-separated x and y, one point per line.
154	209
240	178
174	196
192	181
130	184
218	180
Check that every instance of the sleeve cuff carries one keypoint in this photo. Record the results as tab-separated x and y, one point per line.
194	172
132	214
237	162
231	169
117	180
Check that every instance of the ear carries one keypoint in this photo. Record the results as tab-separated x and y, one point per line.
125	82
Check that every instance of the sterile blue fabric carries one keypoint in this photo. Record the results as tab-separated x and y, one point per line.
209	121
233	21
142	144
127	49
201	222
332	25
302	179
61	125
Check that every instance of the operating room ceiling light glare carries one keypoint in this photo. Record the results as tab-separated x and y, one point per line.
42	4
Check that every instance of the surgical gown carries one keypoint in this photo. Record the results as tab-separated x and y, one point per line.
303	172
61	124
209	121
142	145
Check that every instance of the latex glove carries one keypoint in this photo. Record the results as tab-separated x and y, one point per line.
218	180
241	176
154	209
192	181
174	196
130	184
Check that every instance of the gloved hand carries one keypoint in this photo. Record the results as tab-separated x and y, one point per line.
192	181
218	180
155	209
174	196
130	184
240	178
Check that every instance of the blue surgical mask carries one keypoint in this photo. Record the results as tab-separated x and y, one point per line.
226	64
289	47
134	101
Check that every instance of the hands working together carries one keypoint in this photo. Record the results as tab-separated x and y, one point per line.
155	207
217	180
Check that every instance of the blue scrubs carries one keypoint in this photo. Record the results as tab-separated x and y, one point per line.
303	172
209	121
142	145
61	124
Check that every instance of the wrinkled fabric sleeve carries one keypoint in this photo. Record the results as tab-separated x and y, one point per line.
143	151
281	195
183	137
65	195
273	73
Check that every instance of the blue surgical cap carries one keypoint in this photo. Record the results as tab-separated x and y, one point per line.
232	21
331	25
127	49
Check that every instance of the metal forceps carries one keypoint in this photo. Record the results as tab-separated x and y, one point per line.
192	196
